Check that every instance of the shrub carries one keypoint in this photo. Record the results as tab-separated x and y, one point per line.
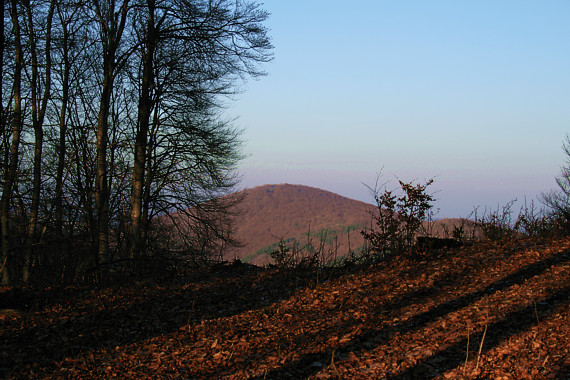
288	253
540	223
498	225
558	202
284	254
532	221
397	217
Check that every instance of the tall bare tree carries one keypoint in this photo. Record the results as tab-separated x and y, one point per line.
16	124
149	41
3	223
40	76
65	44
111	21
191	53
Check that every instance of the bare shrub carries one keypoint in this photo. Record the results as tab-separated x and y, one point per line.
537	222
397	217
558	202
532	221
498	225
289	253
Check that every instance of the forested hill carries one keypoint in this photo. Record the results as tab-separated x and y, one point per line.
274	212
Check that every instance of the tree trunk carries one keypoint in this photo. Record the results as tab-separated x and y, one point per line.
4	255
144	112
10	174
2	46
112	26
62	134
101	190
39	106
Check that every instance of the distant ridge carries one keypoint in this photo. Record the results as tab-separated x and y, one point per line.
285	211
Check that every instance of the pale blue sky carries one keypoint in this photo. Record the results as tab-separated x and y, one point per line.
476	93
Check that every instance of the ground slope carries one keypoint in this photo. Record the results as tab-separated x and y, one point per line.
486	311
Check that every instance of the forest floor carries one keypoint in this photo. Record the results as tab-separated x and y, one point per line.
487	311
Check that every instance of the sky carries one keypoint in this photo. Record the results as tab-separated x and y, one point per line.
473	93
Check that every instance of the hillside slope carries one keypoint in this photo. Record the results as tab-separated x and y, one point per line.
480	312
274	212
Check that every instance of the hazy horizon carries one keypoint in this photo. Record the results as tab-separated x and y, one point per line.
474	94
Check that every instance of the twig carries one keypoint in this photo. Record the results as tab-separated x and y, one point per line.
232	353
467	354
5	258
334	366
535	312
481	347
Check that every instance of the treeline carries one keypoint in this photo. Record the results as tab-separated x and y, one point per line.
110	126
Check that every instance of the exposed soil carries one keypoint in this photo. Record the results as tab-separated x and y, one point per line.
486	311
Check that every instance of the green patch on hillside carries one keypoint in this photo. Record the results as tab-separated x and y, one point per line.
291	241
352	227
324	239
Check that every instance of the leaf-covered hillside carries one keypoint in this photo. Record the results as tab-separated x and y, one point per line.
486	311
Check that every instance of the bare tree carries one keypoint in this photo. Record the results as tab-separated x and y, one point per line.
69	26
110	121
16	123
3	208
559	201
190	53
111	20
40	76
149	41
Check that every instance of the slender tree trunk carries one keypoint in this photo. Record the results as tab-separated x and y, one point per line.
4	255
101	190
112	27
38	139
144	112
2	45
145	222
10	175
62	135
85	182
39	106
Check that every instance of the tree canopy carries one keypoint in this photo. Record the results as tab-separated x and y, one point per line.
112	133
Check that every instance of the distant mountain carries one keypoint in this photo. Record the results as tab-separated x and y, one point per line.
301	213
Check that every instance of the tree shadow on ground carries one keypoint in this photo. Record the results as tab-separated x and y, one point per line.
304	366
72	324
454	355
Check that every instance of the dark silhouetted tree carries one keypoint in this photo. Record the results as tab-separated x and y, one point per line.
111	130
